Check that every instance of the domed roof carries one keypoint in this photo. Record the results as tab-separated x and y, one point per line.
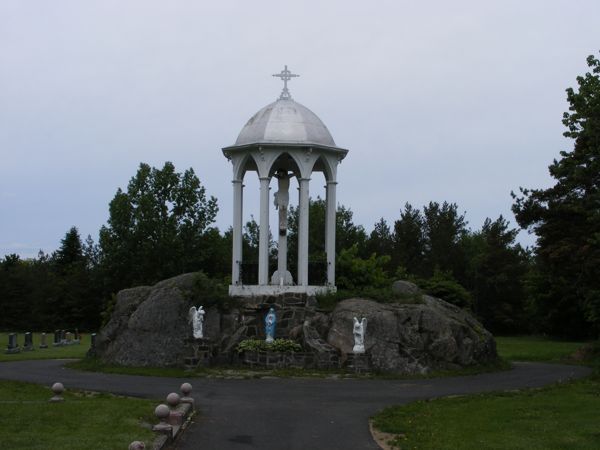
285	121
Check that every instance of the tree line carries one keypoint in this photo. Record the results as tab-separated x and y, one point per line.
163	225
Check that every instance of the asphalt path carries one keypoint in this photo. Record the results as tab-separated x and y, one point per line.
292	413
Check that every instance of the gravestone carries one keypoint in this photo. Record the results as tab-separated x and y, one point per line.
63	337
56	342
76	337
28	345
43	343
69	338
12	344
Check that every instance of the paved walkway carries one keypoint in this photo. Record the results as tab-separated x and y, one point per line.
288	414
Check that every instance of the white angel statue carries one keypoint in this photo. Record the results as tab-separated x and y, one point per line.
196	318
359	331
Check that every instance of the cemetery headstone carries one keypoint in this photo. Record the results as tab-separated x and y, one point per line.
63	337
69	338
12	344
43	343
56	342
76	337
93	340
28	344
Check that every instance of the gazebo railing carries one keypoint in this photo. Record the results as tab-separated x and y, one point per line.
317	272
249	272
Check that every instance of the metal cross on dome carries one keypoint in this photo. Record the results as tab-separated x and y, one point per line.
286	76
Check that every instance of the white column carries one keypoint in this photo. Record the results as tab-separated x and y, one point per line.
263	244
303	232
330	222
237	231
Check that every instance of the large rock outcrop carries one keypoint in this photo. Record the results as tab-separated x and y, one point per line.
149	327
413	338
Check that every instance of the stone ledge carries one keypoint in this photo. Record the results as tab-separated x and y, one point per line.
282	360
245	290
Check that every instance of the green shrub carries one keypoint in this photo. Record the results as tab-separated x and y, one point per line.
354	272
209	292
278	345
443	285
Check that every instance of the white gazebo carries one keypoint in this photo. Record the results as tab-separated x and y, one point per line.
283	140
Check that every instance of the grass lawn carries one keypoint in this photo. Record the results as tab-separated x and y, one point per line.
552	418
83	421
556	417
532	348
67	351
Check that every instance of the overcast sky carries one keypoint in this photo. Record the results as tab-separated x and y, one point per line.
459	101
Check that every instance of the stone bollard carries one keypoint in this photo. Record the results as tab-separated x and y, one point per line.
12	346
56	342
28	344
43	343
175	415
162	413
58	389
137	445
186	390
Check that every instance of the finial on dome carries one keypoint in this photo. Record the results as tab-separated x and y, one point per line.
286	76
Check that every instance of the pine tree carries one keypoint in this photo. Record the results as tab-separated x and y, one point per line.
408	241
70	250
566	219
444	228
497	272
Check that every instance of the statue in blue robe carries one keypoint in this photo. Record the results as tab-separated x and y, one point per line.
270	322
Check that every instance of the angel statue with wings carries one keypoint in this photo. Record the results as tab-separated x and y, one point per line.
196	318
360	328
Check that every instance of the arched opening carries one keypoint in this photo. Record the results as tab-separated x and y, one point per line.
284	242
283	264
322	165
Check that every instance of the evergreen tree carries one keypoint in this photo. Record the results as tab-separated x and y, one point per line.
14	291
380	240
408	242
444	228
566	219
76	301
348	233
70	250
496	277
